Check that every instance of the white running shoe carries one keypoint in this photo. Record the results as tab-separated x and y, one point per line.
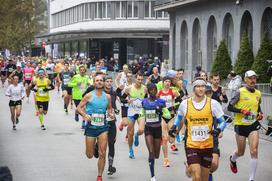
153	179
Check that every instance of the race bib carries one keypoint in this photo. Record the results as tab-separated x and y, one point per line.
41	92
200	133
66	81
168	100
10	69
249	118
134	107
28	75
151	116
98	119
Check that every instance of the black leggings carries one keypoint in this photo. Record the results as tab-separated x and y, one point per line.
76	103
111	138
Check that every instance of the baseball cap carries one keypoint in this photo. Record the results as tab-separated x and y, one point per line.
171	73
250	73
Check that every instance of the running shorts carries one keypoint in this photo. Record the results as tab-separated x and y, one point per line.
42	105
95	132
199	156
68	89
243	130
27	82
14	103
156	132
3	73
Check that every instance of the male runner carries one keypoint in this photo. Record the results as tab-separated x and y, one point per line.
217	91
97	103
154	77
246	106
198	112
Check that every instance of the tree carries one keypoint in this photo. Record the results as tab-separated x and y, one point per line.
260	64
245	57
222	62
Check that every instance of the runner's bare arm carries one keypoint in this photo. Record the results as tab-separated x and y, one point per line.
117	80
81	107
109	107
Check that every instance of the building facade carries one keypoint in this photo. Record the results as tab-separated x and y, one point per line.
121	29
198	26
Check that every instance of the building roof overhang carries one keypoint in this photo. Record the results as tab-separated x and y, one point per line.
168	5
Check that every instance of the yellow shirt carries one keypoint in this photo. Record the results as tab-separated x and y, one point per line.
248	101
41	95
199	125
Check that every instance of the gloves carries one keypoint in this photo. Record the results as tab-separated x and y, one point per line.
35	90
45	90
159	111
260	116
216	132
245	112
172	131
116	111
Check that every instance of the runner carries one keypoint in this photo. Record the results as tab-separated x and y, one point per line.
17	72
217	91
58	68
28	75
64	77
168	95
154	77
246	106
41	86
50	66
16	92
97	104
10	67
121	78
198	112
152	111
79	84
136	92
3	71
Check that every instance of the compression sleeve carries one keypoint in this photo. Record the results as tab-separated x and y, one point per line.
178	120
222	123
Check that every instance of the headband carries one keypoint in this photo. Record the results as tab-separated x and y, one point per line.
199	82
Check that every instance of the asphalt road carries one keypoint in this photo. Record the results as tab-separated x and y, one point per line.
58	154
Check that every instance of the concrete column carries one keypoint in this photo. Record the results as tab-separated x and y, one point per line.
189	74
178	45
204	38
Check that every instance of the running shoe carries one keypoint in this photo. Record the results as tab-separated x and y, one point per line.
131	154
14	128
233	166
96	153
178	138
17	120
43	128
153	179
76	118
173	147
99	178
121	126
111	170
136	139
166	162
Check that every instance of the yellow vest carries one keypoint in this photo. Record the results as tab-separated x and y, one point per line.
199	125
42	96
248	101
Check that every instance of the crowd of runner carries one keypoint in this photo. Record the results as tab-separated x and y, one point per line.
162	107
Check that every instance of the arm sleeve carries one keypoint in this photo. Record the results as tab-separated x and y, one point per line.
72	82
181	112
222	123
233	101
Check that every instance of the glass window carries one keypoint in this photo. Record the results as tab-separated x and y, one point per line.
104	9
80	11
159	14
136	9
129	9
152	3
146	12
75	15
108	9
124	9
98	10
86	11
71	15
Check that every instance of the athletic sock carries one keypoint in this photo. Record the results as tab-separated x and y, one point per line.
234	156
151	166
41	118
110	161
253	168
130	148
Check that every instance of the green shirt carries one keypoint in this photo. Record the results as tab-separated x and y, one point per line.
78	90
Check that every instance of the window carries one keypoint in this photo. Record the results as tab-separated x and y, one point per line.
98	10
149	9
132	9
87	11
121	9
106	11
80	12
67	16
75	14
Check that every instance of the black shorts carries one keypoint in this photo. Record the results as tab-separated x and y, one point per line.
27	82
42	105
199	156
52	76
246	130
14	103
124	111
68	89
156	132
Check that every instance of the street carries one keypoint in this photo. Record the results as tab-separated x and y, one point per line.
58	154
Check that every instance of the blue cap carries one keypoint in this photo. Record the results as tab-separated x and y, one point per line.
171	73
